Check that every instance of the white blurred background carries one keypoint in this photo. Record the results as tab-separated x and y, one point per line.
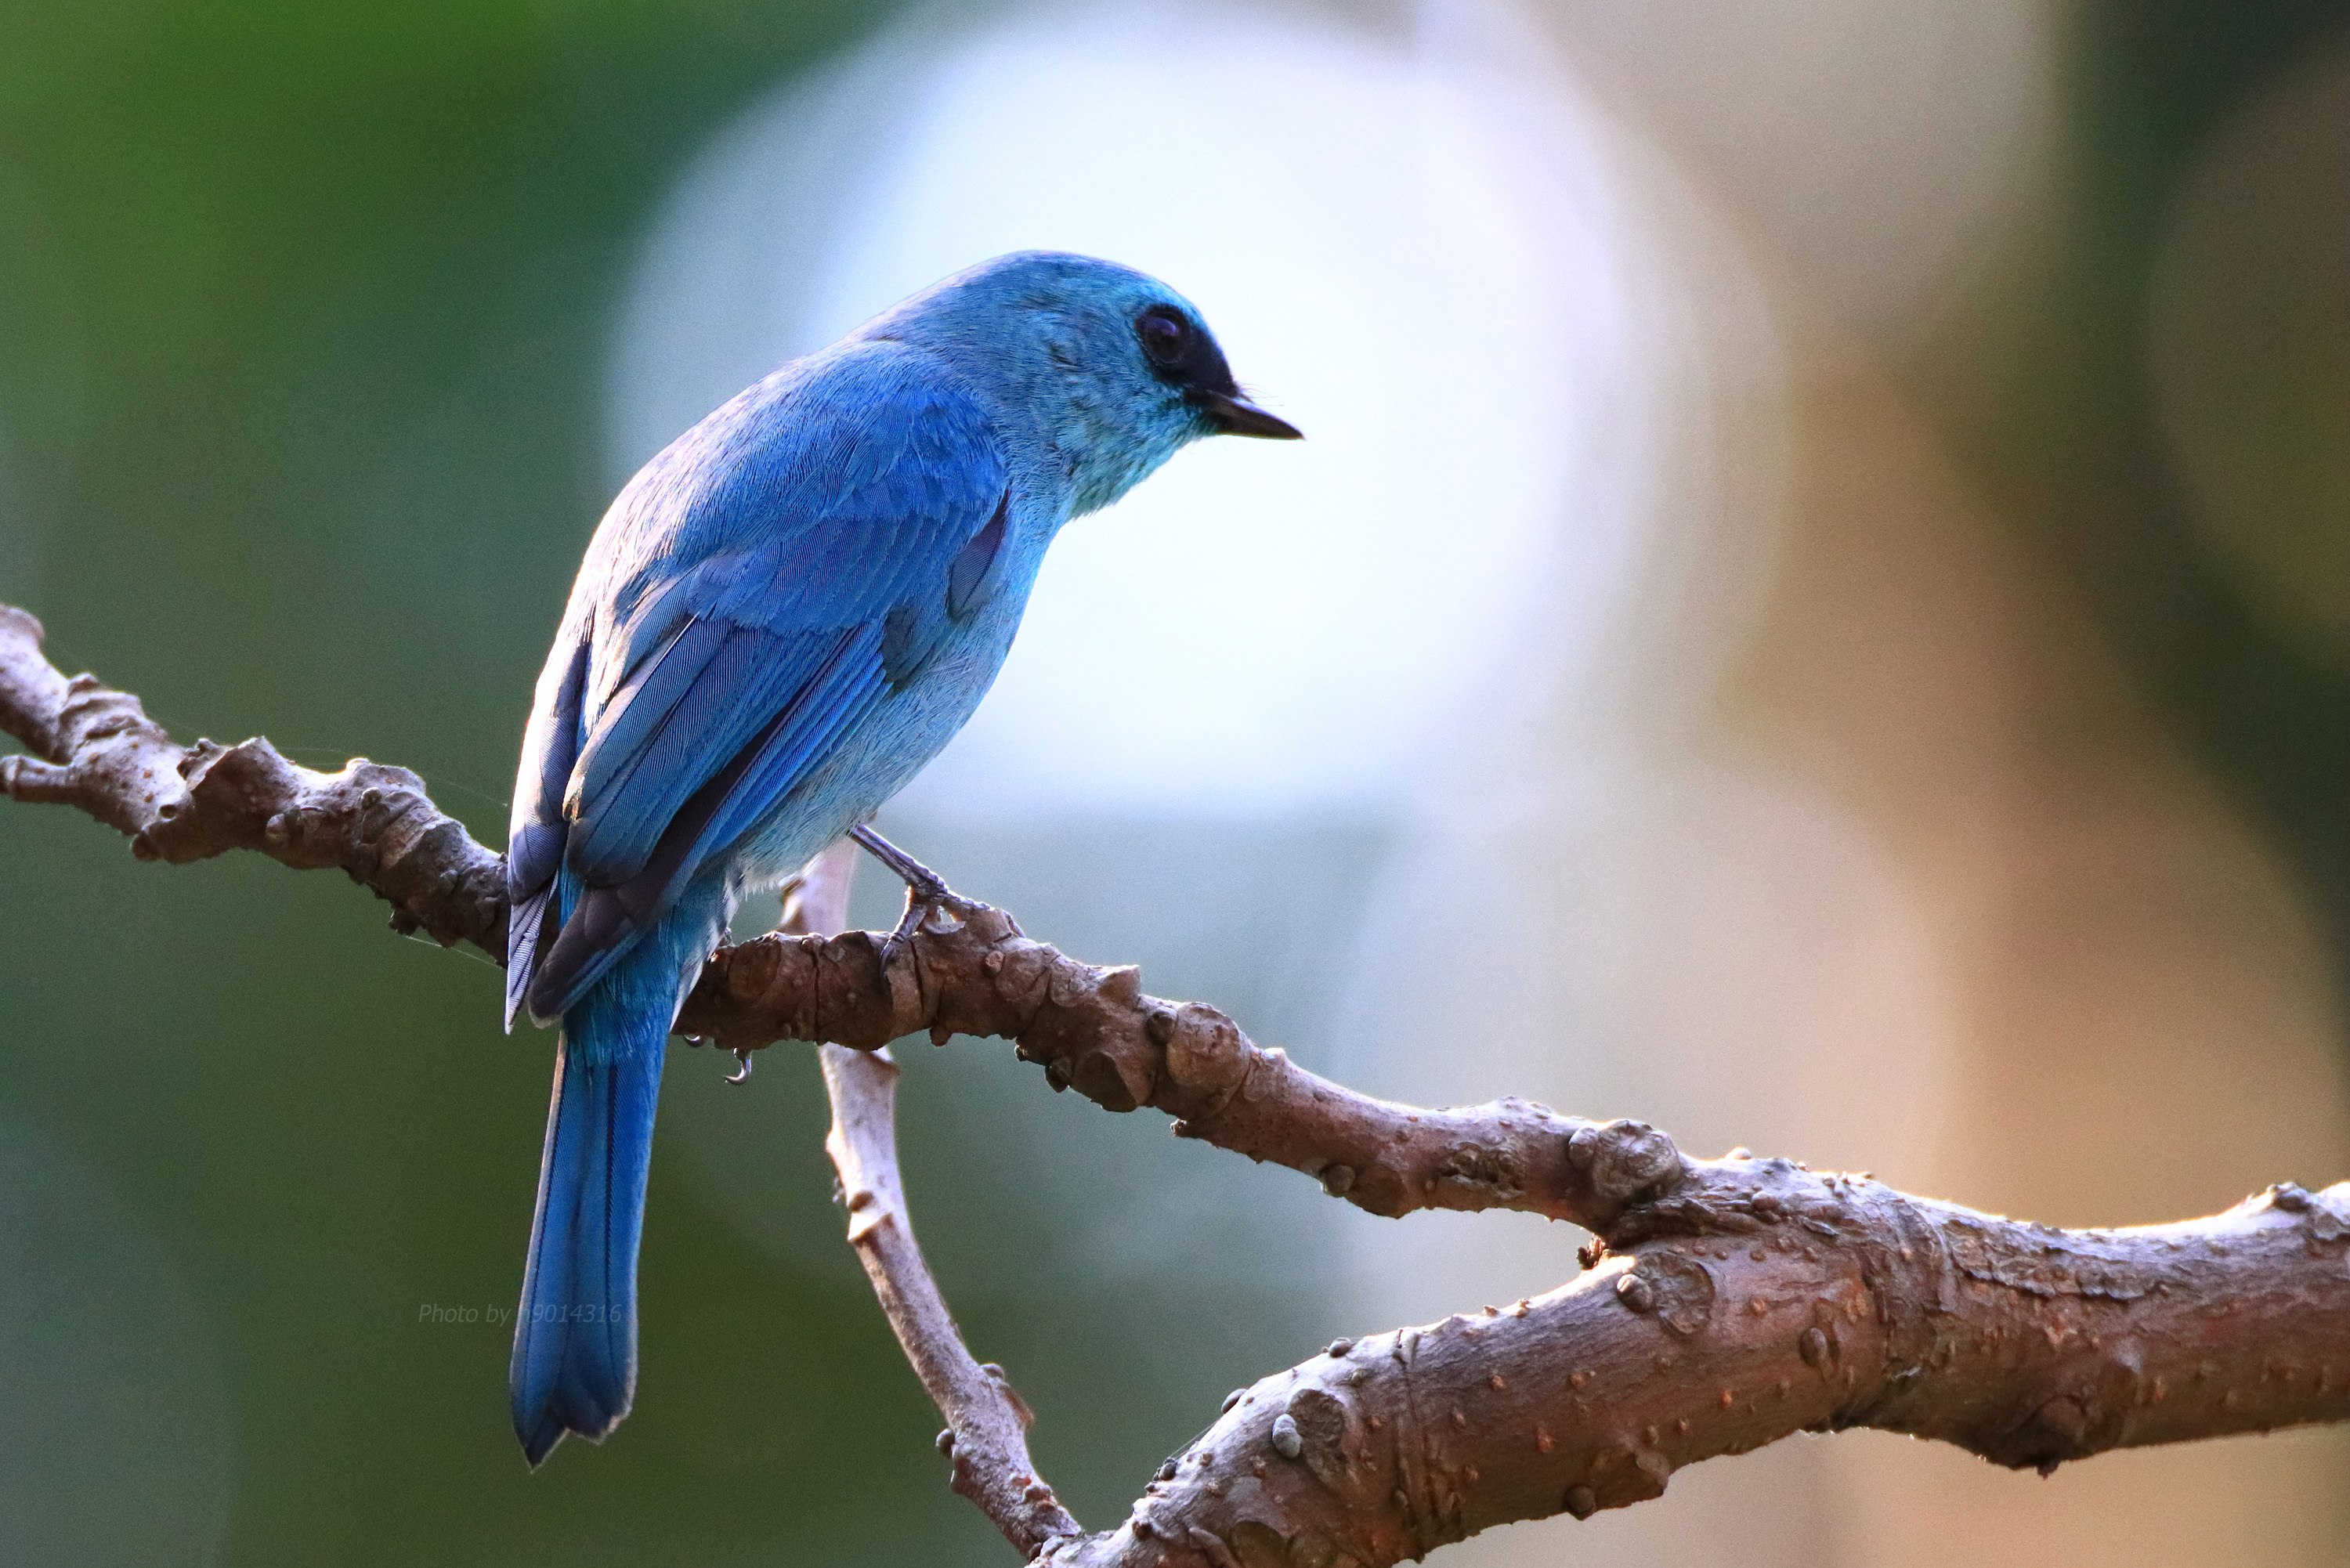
1652	715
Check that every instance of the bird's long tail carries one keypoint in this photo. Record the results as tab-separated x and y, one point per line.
575	1349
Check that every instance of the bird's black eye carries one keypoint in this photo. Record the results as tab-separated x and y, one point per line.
1164	335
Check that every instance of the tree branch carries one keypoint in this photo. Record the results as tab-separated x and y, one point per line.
94	748
987	1421
1772	1301
1728	1303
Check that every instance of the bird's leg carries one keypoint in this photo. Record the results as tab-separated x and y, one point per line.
922	884
926	891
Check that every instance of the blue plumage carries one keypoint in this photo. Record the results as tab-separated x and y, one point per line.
781	617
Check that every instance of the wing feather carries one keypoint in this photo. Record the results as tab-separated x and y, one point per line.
540	830
738	593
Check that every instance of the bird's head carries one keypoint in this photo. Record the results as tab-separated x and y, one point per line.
1117	369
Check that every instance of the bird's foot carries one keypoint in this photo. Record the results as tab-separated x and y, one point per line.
930	903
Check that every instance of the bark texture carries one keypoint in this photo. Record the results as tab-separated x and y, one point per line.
1749	1300
1727	1302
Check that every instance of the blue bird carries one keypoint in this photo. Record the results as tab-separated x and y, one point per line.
780	620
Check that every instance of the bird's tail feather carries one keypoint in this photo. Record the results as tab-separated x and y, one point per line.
574	1350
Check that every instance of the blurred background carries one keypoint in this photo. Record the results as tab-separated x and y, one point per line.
1822	561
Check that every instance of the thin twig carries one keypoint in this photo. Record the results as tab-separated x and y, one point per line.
986	1432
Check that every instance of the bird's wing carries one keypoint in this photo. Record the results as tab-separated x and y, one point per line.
534	840
776	573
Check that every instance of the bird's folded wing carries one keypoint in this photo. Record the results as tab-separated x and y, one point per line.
826	551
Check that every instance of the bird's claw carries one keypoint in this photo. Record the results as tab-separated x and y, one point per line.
927	893
917	918
742	1075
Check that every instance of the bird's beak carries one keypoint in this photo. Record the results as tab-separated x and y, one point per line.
1237	416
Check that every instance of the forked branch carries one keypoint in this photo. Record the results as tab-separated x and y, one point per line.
1727	1302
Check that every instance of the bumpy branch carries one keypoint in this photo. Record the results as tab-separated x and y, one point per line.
1765	1300
968	970
95	748
1728	1303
